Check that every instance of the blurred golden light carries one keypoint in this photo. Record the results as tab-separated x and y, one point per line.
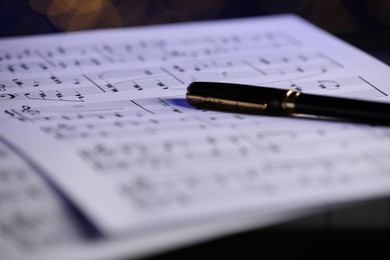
72	15
109	17
132	12
57	7
90	5
332	15
75	21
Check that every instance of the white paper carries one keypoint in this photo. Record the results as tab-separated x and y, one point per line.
35	223
103	115
33	219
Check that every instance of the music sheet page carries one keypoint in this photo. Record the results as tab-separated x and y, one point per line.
102	116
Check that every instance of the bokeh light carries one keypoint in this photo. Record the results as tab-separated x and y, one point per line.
38	16
70	15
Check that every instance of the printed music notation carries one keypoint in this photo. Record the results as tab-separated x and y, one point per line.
352	86
161	152
32	216
95	54
264	180
107	111
74	88
57	87
41	81
142	115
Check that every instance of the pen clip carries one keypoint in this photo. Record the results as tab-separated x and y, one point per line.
225	104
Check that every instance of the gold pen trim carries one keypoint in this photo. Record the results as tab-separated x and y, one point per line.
225	104
288	103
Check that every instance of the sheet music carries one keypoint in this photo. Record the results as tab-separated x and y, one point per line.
103	115
33	218
35	223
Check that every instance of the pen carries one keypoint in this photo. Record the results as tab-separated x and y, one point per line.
256	99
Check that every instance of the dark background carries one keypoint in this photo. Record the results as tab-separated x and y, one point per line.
21	17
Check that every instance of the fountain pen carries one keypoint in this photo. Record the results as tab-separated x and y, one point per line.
264	100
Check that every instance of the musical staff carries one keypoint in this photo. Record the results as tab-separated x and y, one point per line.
32	216
175	76
185	190
104	116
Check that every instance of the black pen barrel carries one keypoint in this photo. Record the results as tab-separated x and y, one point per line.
256	99
343	107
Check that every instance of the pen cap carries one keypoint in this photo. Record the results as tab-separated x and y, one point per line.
361	110
237	92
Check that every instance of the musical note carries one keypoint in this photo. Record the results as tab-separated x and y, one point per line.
12	55
180	74
79	96
28	110
87	62
25	67
354	86
328	84
6	97
43	82
55	79
59	95
9	113
137	87
111	87
42	94
18	82
36	217
65	94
